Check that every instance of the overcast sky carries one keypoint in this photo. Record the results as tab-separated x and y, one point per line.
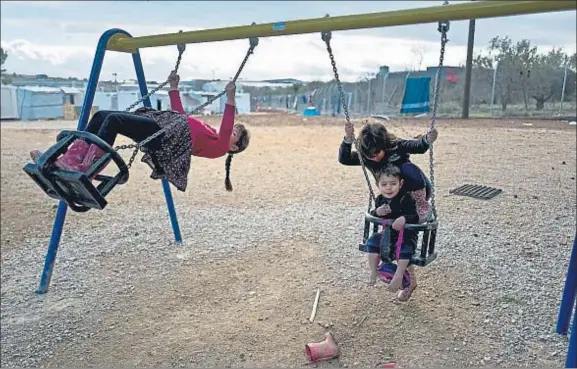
59	38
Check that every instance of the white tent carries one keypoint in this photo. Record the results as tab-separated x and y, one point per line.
105	100
9	104
36	102
73	95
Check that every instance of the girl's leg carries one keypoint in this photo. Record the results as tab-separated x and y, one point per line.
110	124
77	151
130	125
416	186
97	119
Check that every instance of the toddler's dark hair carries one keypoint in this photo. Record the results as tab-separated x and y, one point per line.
390	171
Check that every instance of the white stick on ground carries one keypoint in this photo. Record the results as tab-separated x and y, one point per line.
315	305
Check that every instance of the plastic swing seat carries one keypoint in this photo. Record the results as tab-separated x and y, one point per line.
424	255
75	188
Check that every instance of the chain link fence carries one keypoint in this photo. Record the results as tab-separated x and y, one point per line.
499	92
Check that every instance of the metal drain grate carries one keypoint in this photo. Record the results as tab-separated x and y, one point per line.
476	191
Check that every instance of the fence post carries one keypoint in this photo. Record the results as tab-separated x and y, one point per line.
385	77
369	97
468	71
493	87
564	84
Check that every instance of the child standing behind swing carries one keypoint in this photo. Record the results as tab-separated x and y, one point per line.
380	148
394	203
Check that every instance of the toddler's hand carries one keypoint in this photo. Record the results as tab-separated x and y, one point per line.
399	223
383	210
349	131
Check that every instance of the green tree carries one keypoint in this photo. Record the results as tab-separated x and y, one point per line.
523	73
3	56
503	55
296	87
546	80
6	79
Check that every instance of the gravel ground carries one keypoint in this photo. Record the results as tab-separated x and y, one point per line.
242	284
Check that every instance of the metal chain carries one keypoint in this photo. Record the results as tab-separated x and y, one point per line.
253	45
141	144
181	49
326	36
443	28
136	147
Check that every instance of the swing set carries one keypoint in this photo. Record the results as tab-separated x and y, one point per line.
76	190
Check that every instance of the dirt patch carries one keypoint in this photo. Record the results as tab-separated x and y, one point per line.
250	310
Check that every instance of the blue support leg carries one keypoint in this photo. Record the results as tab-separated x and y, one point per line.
569	303
165	185
52	248
58	226
571	361
171	211
569	292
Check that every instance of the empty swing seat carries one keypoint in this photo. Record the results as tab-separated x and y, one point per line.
425	253
76	188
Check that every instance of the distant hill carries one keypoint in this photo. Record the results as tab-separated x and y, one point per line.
284	80
45	80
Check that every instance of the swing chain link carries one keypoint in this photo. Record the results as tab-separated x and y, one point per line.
181	47
141	144
326	37
138	146
253	45
443	29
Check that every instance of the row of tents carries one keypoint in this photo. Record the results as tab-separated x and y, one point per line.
45	103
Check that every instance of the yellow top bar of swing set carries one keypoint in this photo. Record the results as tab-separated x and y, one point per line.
451	12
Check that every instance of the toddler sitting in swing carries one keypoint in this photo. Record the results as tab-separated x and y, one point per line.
394	203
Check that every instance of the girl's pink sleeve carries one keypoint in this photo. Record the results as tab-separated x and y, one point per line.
175	102
226	127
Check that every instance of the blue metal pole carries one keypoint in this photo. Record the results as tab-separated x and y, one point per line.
571	361
165	185
52	248
171	211
569	292
85	113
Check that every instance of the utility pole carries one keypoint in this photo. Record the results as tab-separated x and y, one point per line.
468	70
564	84
115	82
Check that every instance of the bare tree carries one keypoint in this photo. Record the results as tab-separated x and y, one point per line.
546	80
418	51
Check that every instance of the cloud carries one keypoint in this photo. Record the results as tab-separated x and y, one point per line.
300	56
84	28
39	4
54	54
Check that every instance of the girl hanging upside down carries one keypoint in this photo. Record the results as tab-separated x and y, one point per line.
379	148
169	154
